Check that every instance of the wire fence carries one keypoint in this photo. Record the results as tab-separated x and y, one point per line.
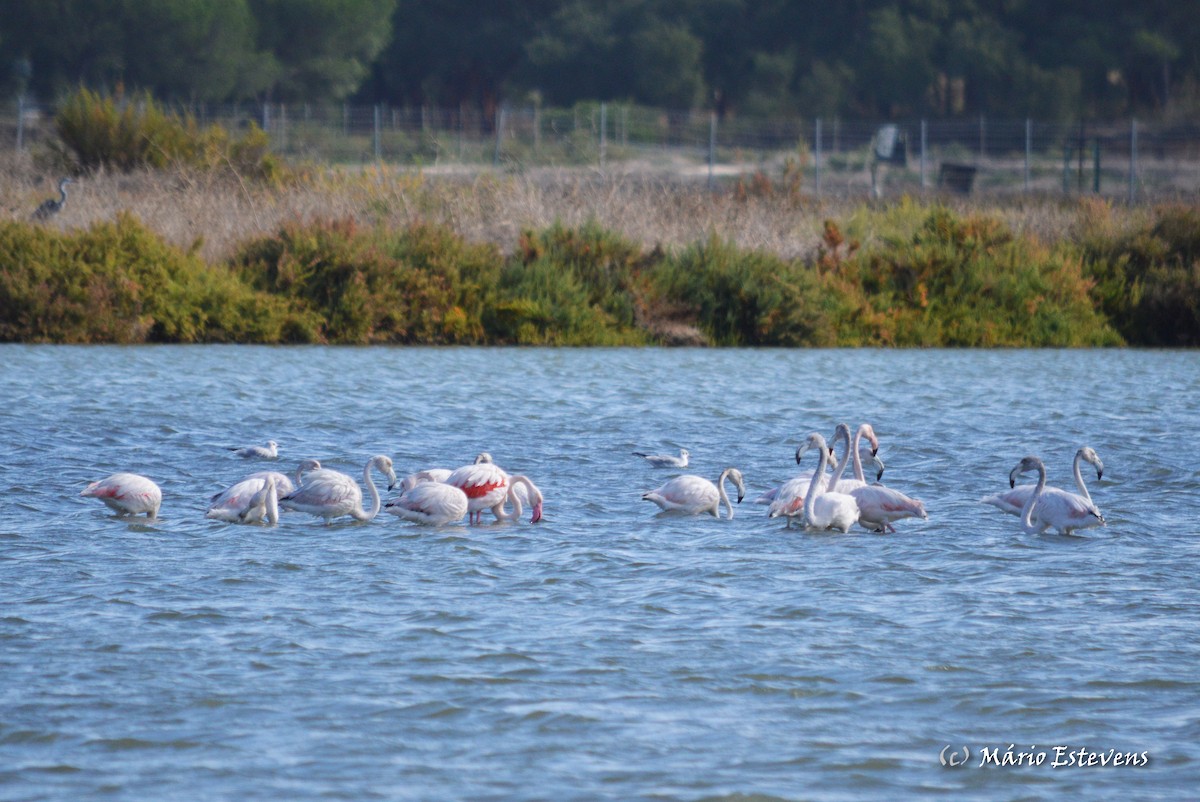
1130	160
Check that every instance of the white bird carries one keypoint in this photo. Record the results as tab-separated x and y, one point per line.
693	495
822	509
237	502
796	486
1013	500
485	483
248	501
428	475
1065	512
431	503
665	460
269	451
330	494
51	207
521	491
856	448
127	494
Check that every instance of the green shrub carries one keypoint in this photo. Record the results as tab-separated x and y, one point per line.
120	283
422	284
114	133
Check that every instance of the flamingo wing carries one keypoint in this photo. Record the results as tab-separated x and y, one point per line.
430	503
326	493
485	484
689	493
879	505
1065	511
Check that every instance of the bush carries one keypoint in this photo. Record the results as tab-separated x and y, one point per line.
120	283
113	133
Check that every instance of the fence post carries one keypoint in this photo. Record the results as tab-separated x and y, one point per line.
712	145
499	136
378	132
603	133
982	137
817	153
924	151
21	121
1133	147
1028	152
1096	165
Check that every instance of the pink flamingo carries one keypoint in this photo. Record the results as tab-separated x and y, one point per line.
1065	512
823	509
1013	500
127	494
430	503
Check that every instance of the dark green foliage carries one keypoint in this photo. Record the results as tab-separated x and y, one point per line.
1148	280
119	283
746	297
951	281
421	285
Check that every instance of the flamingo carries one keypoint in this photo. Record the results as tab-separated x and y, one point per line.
269	451
521	491
430	503
127	494
330	494
439	475
823	509
248	501
1065	512
856	449
1013	500
878	505
665	460
793	487
235	502
694	495
485	483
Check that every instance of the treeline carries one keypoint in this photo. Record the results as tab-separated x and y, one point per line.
937	278
867	59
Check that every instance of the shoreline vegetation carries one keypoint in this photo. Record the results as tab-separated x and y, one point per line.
374	258
178	234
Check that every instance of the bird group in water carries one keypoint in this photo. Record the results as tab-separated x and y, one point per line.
818	500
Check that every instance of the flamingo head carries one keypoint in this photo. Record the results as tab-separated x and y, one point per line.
868	431
1089	455
537	513
1024	466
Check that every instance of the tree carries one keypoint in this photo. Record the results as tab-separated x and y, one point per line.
321	49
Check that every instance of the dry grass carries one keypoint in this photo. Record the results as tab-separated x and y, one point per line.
215	214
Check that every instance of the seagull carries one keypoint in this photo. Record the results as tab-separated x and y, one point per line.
665	460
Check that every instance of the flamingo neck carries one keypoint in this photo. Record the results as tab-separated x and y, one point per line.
272	502
1083	491
1031	502
723	497
858	469
499	511
814	485
369	515
841	468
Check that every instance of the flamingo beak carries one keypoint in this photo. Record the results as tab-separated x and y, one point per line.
537	513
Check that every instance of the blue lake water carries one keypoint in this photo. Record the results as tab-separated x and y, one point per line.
608	652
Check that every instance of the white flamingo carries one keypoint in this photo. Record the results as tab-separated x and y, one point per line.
1013	500
878	506
127	494
431	503
795	487
330	494
428	475
521	491
693	495
248	501
665	460
1065	512
856	450
269	451
823	509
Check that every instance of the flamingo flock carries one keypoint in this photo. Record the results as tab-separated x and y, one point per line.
818	500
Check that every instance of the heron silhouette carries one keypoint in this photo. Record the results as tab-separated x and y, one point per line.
51	207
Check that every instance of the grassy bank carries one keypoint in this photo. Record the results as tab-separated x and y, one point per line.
559	259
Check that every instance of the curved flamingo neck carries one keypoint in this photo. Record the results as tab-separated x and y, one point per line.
858	469
518	508
272	501
814	485
1079	483
722	496
1031	502
843	434
369	515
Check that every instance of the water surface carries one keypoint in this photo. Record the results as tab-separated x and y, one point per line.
609	651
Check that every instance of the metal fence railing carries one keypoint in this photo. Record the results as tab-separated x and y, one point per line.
1127	160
